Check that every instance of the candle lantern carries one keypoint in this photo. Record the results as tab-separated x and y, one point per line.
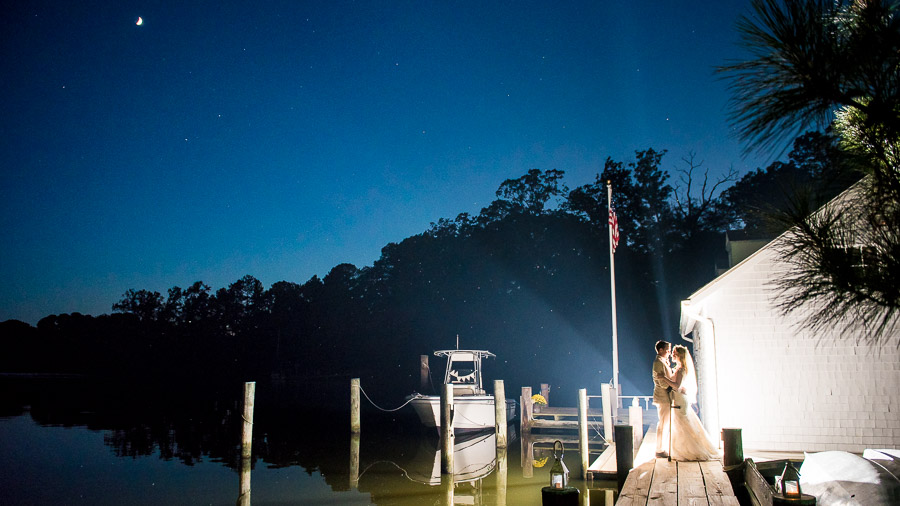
559	473
790	481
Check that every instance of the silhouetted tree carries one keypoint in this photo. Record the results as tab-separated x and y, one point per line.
240	304
531	192
815	166
814	60
697	206
144	304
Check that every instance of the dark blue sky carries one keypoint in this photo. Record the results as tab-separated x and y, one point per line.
279	139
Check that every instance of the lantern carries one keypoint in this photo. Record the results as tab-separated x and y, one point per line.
790	481
559	473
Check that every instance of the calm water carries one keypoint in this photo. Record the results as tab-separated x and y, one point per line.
75	442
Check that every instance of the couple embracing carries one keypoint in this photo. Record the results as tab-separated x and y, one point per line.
674	391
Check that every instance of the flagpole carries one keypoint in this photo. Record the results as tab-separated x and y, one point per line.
612	287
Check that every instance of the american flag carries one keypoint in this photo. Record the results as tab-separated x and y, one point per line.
614	228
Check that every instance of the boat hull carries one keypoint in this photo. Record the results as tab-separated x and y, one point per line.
471	412
473	459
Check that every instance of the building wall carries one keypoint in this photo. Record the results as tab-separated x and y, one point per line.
788	389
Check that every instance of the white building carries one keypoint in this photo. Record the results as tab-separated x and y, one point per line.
786	388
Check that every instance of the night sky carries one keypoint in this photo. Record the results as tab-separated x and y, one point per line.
279	139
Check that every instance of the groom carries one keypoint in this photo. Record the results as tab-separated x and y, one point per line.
661	389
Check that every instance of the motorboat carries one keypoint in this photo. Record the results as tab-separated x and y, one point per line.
473	407
474	457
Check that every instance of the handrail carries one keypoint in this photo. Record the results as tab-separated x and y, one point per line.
635	399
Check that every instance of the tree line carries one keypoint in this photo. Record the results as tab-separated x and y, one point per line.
527	278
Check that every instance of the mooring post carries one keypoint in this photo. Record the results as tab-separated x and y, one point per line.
244	498
606	393
636	420
624	452
354	406
527	459
447	429
354	461
583	432
733	451
502	475
545	392
448	484
526	410
247	431
500	413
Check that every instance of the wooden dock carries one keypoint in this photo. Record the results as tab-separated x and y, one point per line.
560	418
658	481
672	483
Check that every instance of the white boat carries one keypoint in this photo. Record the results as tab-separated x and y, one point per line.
473	408
474	457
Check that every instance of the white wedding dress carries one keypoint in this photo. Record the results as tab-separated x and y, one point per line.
690	442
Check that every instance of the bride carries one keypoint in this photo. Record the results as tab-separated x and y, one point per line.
690	442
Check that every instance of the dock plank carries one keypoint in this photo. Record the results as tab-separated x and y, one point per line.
540	423
664	486
637	486
690	483
606	462
569	442
723	500
567	412
717	482
658	482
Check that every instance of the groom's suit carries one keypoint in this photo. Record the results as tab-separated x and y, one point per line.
661	401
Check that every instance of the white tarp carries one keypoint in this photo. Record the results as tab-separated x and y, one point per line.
842	478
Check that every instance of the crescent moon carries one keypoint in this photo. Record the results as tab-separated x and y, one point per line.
140	21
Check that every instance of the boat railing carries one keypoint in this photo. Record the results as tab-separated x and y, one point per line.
635	400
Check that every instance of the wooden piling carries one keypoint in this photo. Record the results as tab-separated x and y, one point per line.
624	452
636	420
583	432
502	475
247	431
566	496
545	392
526	411
354	461
244	498
354	406
606	393
448	486
423	373
527	456
447	438
500	413
733	447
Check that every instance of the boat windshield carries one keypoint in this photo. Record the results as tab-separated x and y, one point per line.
462	372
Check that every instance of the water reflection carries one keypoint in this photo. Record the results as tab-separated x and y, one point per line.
475	458
244	496
88	443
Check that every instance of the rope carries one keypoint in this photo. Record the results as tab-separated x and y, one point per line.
457	413
385	462
383	409
596	427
